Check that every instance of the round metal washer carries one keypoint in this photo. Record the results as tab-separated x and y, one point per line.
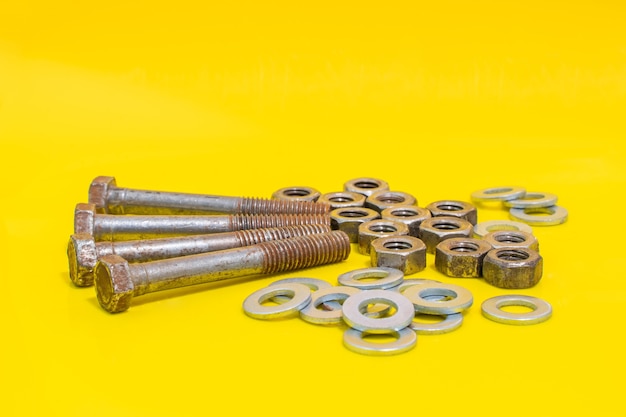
389	277
491	308
354	317
481	229
540	216
532	200
419	296
411	282
300	297
498	194
354	341
313	315
449	323
313	283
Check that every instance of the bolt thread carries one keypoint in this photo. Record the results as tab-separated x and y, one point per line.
304	251
256	236
263	221
265	206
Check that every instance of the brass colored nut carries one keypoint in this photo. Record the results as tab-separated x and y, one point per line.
348	220
374	229
342	199
454	208
297	194
406	253
512	239
382	200
412	216
512	268
437	229
365	186
461	257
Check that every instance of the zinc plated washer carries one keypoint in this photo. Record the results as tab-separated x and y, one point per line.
420	297
388	278
300	297
313	283
411	282
491	309
532	200
540	216
354	341
498	194
482	228
449	323
354	317
314	315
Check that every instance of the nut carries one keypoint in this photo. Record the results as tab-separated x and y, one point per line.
454	208
374	229
512	268
342	199
382	200
365	186
406	253
412	216
512	239
297	194
437	229
348	220
461	257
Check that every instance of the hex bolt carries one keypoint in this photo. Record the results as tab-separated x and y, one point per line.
109	198
83	251
117	281
119	227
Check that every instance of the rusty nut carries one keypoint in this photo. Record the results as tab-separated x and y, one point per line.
297	194
365	186
342	199
437	229
374	229
513	268
406	253
348	220
382	200
461	257
454	208
412	216
512	239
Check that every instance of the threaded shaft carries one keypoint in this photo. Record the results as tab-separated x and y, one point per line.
264	206
256	236
304	251
262	221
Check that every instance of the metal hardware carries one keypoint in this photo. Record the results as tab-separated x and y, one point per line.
299	297
354	341
457	299
354	317
492	309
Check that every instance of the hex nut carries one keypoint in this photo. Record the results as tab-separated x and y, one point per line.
84	216
382	200
297	193
374	229
348	220
366	186
437	229
98	190
461	257
512	268
342	199
454	208
406	253
412	216
114	286
500	239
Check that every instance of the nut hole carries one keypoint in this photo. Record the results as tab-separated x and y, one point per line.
464	247
382	228
340	199
352	213
397	245
404	213
297	192
512	255
366	184
391	199
450	207
445	225
509	238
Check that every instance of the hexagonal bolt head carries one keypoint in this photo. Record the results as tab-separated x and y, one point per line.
382	200
114	286
412	216
501	239
406	253
349	219
374	229
461	257
84	216
437	229
513	268
366	186
454	208
82	256
98	191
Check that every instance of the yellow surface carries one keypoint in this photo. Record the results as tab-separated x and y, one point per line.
437	98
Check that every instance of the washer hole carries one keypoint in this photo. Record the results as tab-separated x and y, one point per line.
397	245
383	228
464	247
516	309
512	255
380	338
430	293
427	318
370	276
540	211
503	227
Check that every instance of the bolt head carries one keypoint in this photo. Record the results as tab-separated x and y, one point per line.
84	214
82	258
98	191
114	286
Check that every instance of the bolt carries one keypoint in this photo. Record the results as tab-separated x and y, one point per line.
108	198
83	251
117	281
116	227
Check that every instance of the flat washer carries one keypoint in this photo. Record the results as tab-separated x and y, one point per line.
420	297
532	200
388	278
449	323
410	282
313	283
316	316
553	215
300	297
498	194
491	308
355	318
354	341
481	229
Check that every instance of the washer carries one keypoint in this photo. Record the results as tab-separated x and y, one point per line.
411	282
314	315
313	283
532	200
419	296
481	229
498	194
491	308
389	277
355	318
300	297
449	323
549	216
354	341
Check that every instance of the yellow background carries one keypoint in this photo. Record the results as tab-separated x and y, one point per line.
438	98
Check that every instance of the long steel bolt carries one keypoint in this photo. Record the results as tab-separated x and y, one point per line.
117	281
116	227
83	251
109	198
